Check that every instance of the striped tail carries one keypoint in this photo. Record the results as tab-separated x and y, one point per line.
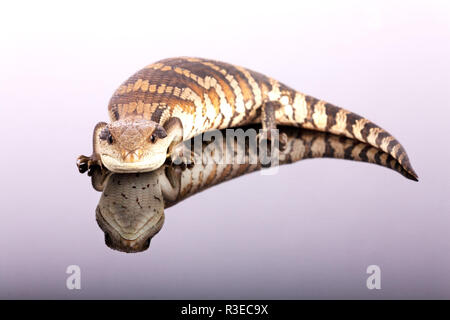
310	113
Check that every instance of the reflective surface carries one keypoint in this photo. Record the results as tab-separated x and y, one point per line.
310	231
131	208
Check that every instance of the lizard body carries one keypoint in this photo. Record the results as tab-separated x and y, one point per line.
175	99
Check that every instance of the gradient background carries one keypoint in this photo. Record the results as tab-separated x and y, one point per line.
309	231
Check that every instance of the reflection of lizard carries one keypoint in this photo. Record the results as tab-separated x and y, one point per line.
131	208
175	99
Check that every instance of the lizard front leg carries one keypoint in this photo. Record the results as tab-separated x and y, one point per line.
170	182
268	122
85	163
99	177
177	151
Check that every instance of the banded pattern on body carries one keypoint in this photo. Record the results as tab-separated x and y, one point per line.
301	145
311	113
207	94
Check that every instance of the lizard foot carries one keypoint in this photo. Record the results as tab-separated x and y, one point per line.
267	156
267	135
182	156
88	164
98	177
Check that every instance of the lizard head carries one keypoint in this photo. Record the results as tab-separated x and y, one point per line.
131	210
132	145
116	238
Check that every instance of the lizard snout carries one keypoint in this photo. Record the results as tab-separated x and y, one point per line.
132	156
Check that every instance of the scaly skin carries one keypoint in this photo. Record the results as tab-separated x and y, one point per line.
175	99
131	208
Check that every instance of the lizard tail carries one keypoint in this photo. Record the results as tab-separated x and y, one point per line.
310	113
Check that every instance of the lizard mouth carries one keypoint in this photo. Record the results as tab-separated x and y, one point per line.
132	156
145	164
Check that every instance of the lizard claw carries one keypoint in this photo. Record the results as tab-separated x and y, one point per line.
281	137
88	164
83	163
183	156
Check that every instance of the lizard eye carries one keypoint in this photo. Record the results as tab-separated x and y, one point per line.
153	138
106	135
